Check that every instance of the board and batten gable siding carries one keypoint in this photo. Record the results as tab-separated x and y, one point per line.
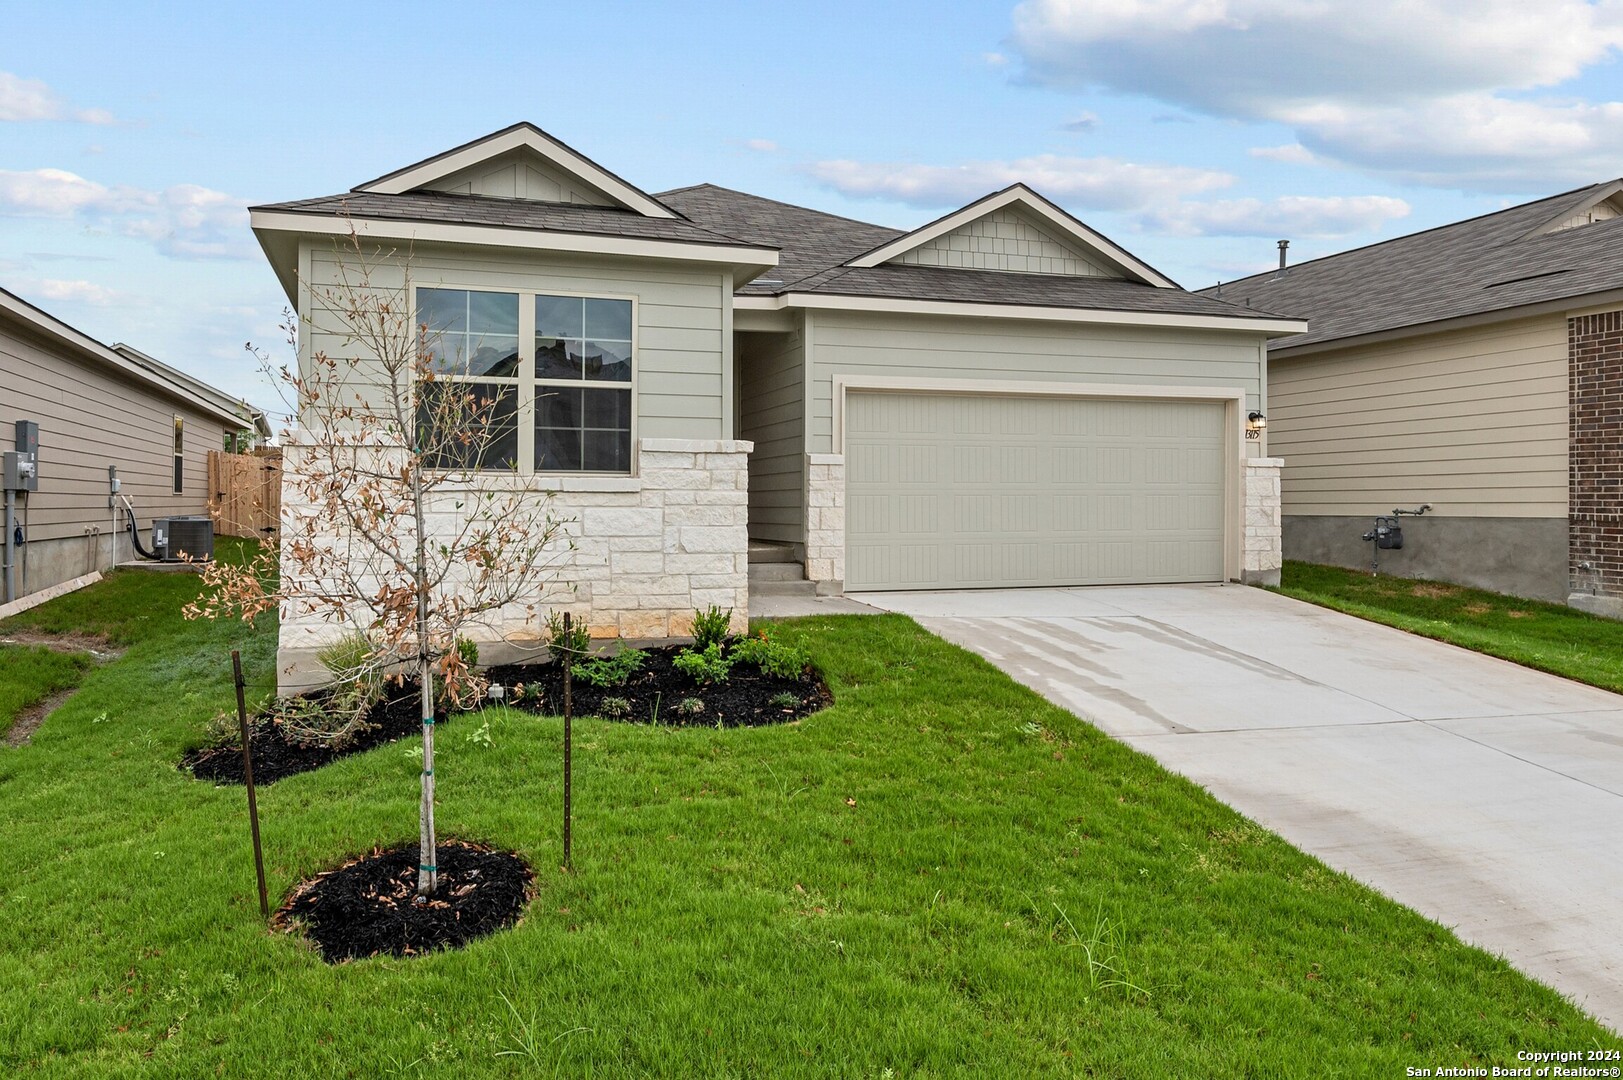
1472	421
91	417
1001	351
772	416
1007	240
683	346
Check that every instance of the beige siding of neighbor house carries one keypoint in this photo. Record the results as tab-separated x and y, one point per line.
1472	421
1000	351
521	175
91	417
772	416
1009	240
682	361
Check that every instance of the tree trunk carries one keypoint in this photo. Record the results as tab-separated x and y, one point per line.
428	874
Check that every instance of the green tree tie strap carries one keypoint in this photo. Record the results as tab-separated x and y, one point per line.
430	869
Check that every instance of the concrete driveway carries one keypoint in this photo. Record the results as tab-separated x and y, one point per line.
1483	794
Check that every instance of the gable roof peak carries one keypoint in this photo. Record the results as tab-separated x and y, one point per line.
526	137
1024	197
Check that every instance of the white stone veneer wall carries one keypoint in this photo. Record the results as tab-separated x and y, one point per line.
648	550
1264	551
825	522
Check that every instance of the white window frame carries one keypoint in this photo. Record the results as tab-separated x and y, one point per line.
177	442
526	377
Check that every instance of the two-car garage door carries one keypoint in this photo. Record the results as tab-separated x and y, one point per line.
948	491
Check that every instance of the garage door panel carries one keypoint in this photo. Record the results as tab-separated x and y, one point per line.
964	491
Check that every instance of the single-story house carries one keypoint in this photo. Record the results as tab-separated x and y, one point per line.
1476	368
97	408
1002	397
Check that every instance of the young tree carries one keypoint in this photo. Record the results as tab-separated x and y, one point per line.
387	526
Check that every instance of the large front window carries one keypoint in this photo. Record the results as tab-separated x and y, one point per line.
554	374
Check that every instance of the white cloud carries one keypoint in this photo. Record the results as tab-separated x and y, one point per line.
1290	154
1421	87
994	59
763	146
77	291
1090	183
30	99
1288	216
185	221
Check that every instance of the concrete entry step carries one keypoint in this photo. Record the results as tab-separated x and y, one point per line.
782	588
765	551
777	571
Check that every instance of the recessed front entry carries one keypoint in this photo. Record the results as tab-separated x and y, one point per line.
948	491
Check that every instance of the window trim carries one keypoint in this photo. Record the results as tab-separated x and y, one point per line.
527	379
178	445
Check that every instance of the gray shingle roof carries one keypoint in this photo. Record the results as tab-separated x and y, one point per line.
814	246
1472	267
906	282
460	209
808	241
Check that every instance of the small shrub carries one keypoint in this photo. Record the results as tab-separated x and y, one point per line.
480	736
710	627
689	706
704	666
615	708
455	684
785	701
772	657
222	731
606	671
338	718
570	644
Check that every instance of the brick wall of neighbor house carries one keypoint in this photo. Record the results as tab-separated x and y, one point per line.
1595	482
1264	551
649	550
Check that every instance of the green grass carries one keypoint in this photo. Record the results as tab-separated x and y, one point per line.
31	673
940	876
1549	637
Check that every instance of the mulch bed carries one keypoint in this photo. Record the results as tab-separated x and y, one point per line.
396	716
366	907
655	692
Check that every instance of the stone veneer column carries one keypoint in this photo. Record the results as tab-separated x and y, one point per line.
825	522
1263	552
1595	462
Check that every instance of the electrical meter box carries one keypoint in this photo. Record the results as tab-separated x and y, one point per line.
22	466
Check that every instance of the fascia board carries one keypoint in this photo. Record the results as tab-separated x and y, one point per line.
273	221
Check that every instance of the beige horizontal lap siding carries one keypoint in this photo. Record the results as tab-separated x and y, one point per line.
679	318
772	415
857	344
1473	422
91	417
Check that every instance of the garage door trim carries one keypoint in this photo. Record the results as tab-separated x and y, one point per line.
1232	399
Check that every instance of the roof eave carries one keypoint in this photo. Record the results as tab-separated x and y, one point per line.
1268	326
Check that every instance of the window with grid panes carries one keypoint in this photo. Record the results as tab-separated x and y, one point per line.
562	398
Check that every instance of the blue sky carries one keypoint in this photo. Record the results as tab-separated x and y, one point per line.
1194	132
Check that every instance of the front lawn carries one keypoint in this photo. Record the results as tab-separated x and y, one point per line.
940	875
1549	637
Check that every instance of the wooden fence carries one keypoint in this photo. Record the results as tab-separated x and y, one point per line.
245	492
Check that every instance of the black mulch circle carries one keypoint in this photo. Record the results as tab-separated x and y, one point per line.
654	694
397	716
366	908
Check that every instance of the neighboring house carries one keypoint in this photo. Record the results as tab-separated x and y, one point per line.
1476	367
1003	397
99	407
